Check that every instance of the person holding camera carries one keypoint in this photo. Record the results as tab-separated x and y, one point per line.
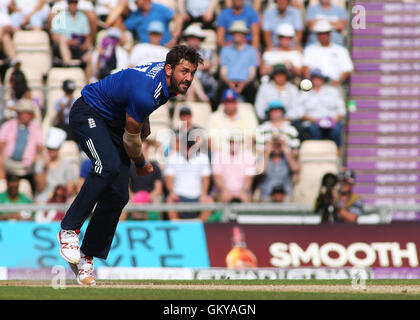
336	201
279	167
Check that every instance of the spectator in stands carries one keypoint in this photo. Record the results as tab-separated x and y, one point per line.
282	13
277	125
110	56
19	90
31	14
336	15
63	106
239	63
234	170
278	194
324	203
187	131
187	179
332	59
151	51
20	143
6	34
204	85
152	183
323	109
12	195
201	11
51	170
59	196
70	32
349	205
284	53
280	166
139	21
238	12
280	88
147	189
86	6
231	117
338	205
104	10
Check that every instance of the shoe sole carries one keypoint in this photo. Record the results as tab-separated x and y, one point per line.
84	282
63	255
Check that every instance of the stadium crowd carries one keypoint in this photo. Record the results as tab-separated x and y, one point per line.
234	137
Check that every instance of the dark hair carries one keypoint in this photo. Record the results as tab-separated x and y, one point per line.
177	53
11	177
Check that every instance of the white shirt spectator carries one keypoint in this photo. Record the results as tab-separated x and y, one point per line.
143	53
286	132
328	102
268	92
187	174
273	57
4	13
332	60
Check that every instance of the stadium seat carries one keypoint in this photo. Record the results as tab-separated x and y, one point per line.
316	157
56	76
200	113
161	115
31	39
24	187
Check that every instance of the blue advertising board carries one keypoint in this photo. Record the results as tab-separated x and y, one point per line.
136	244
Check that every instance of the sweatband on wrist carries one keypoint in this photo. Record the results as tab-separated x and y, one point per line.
140	165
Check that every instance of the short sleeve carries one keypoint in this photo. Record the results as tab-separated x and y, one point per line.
205	169
170	169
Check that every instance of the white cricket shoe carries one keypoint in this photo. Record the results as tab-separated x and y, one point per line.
69	245
84	271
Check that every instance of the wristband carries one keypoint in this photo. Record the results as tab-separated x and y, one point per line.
140	165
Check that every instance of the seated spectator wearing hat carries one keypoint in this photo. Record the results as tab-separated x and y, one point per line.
204	85
51	170
280	88
332	59
13	196
147	11
150	51
234	170
62	108
228	118
284	53
323	110
280	168
20	142
238	12
336	15
187	179
70	33
110	56
283	12
238	64
198	11
277	125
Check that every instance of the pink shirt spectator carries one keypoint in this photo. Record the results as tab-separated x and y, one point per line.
234	168
8	134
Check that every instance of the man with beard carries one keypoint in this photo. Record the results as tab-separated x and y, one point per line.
110	120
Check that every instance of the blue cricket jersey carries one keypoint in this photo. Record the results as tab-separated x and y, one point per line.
138	91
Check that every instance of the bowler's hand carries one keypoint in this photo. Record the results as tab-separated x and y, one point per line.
148	168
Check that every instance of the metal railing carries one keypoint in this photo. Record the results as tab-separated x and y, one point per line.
281	213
